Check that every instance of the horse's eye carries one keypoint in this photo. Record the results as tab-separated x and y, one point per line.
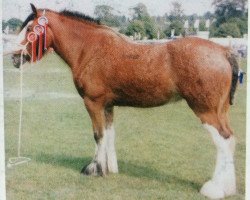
29	28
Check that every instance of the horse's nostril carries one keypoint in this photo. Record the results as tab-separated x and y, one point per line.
16	60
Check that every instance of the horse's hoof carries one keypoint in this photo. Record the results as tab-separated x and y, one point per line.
230	189
212	190
93	169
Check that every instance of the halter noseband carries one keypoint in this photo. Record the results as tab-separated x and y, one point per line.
37	38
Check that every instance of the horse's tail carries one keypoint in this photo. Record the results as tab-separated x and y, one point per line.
235	70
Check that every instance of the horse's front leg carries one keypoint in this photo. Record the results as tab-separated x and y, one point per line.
104	160
110	133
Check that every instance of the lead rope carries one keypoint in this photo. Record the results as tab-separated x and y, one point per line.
19	159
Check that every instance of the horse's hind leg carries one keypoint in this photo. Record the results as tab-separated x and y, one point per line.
104	160
223	182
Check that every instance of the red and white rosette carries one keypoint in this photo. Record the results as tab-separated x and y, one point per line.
39	30
43	21
32	38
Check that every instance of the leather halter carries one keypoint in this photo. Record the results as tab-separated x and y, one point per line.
38	38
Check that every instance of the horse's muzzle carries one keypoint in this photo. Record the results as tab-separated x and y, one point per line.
16	59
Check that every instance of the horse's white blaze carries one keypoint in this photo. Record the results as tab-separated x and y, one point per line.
17	45
223	182
111	154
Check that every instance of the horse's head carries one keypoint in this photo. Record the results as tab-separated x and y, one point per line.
33	39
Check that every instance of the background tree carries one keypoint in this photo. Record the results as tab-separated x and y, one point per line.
161	24
228	29
177	12
143	22
140	11
241	23
202	26
136	27
177	26
4	25
230	18
208	15
106	16
13	23
233	12
176	19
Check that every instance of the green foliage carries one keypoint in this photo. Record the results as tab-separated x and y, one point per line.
228	29
136	27
212	30
208	15
4	24
112	22
13	23
104	13
226	11
140	11
178	26
177	12
149	27
232	12
142	23
202	26
176	19
242	24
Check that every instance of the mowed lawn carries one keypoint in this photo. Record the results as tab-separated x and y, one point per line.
163	153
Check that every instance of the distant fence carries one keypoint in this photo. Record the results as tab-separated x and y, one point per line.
222	41
230	41
238	44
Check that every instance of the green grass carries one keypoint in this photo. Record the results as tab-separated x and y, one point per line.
163	153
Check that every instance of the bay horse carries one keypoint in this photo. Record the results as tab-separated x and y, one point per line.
110	70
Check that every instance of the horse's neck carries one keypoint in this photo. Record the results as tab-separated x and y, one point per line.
71	40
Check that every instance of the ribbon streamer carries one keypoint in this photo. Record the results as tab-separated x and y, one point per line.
39	30
32	37
43	21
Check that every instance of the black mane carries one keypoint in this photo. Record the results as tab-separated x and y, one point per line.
78	15
74	14
27	20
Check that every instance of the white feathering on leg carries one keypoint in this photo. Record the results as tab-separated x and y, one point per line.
101	156
223	182
111	154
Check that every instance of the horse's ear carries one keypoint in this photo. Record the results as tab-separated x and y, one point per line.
33	9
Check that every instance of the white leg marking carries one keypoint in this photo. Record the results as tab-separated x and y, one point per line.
111	154
223	182
105	154
101	155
